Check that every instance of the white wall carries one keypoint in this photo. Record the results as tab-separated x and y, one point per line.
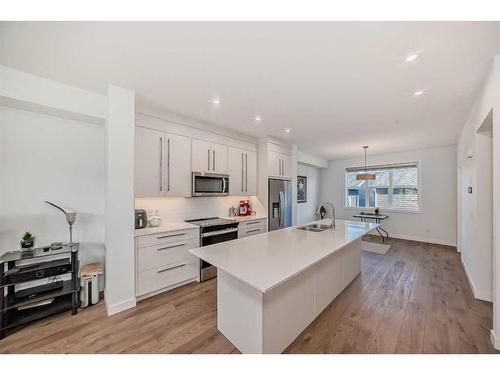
437	221
475	211
44	157
306	212
482	261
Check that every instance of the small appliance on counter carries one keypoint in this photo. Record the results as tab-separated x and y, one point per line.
214	230
245	208
141	219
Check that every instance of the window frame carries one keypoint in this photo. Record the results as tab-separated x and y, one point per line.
395	210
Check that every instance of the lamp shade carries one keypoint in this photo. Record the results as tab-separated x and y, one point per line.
365	176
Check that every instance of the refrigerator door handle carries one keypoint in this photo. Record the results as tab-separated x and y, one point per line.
281	203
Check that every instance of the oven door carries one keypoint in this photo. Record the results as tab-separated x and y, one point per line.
207	271
209	184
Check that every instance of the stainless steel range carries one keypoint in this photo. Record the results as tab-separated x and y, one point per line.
214	230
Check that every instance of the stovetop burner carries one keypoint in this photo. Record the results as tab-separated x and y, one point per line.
210	221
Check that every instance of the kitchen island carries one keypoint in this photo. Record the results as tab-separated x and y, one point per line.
273	285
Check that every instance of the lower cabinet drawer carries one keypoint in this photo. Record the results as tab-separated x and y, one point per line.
164	254
162	277
245	232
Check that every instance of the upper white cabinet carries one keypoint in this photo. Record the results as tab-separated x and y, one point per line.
242	169
162	163
208	157
178	159
279	164
148	163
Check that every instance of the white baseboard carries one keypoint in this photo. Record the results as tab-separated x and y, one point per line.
422	239
119	307
478	294
494	340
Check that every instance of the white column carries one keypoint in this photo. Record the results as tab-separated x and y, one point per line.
120	282
495	333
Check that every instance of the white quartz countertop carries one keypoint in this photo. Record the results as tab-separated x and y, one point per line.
167	227
246	218
266	260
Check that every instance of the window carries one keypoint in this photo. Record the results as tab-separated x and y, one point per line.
395	187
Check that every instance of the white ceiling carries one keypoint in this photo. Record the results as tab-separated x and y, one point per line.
336	85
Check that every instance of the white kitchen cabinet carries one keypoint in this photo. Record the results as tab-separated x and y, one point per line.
279	164
163	261
148	162
251	172
178	160
208	157
219	155
200	156
162	163
251	227
242	170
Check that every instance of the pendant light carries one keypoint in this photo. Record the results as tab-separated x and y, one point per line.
365	176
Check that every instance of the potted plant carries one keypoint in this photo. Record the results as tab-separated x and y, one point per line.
27	241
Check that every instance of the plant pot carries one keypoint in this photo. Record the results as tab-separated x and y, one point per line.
27	245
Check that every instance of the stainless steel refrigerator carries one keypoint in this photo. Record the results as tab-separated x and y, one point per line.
279	204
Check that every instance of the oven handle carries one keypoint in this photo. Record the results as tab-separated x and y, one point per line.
217	232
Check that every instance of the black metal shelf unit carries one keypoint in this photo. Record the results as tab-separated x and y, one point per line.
14	311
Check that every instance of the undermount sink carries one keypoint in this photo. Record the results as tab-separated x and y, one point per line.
315	227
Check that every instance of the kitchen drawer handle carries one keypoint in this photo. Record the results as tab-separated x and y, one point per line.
171	268
171	235
171	247
252	222
254	230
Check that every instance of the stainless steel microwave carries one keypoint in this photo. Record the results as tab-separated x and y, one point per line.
209	184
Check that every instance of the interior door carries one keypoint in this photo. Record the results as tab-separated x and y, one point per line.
236	171
201	156
149	170
177	166
250	173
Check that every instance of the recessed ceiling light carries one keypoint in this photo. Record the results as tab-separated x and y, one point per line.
258	118
287	130
411	58
216	101
418	93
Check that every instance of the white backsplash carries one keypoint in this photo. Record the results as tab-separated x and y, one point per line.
180	209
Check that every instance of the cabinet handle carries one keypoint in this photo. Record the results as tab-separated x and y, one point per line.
168	164
161	163
171	268
213	161
246	172
171	247
171	235
208	159
252	222
242	171
254	230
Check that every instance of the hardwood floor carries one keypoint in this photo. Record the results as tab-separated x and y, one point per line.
414	299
